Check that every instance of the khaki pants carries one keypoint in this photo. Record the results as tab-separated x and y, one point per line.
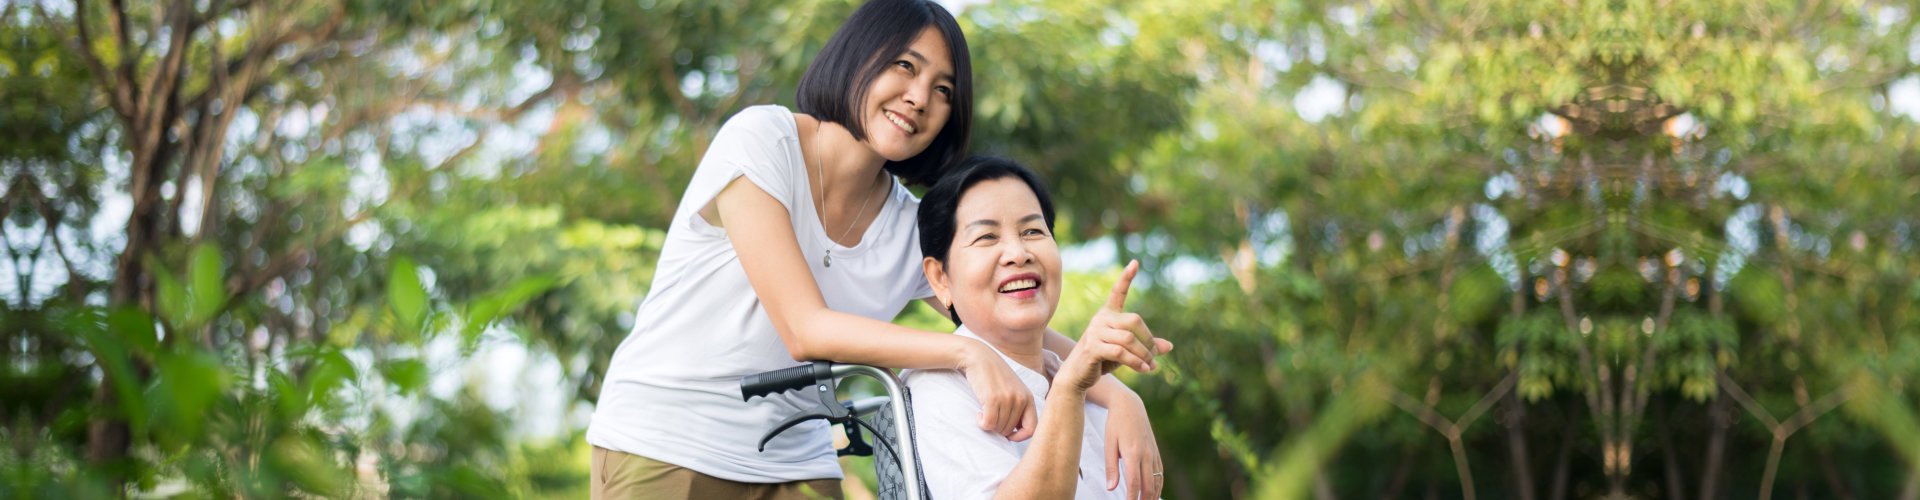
623	476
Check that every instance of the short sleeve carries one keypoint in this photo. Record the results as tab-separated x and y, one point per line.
757	143
916	275
960	461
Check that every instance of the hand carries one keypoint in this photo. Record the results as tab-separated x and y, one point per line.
1114	337
1006	406
1130	436
1113	326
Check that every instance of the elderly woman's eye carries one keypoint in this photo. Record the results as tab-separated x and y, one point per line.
1036	232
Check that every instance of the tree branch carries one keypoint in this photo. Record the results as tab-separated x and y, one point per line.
1419	410
1753	407
1820	407
1487	401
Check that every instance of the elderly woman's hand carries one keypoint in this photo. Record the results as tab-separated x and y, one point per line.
1114	337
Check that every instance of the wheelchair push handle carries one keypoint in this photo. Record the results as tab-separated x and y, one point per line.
786	379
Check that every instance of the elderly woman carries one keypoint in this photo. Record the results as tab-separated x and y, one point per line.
986	230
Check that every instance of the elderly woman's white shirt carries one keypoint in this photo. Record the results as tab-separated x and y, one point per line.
963	462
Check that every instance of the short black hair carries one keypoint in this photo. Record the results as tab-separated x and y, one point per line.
834	88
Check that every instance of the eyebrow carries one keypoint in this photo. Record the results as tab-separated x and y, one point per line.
924	62
995	223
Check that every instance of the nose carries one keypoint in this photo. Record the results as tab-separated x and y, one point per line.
915	96
1014	253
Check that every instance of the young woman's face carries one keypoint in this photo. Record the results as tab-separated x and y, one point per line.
908	103
1003	269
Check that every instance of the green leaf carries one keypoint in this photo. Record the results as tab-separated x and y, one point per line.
306	464
408	375
135	328
187	384
207	290
1477	294
407	298
176	305
110	349
331	370
292	401
346	333
491	307
1759	294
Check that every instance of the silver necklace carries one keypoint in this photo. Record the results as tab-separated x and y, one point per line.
819	158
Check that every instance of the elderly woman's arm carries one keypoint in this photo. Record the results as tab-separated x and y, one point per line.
1051	466
1129	433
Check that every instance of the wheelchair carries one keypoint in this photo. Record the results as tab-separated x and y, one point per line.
887	418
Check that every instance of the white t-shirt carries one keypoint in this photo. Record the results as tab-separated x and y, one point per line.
963	462
673	388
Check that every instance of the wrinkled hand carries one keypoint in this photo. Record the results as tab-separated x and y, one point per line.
1130	436
1116	337
1006	406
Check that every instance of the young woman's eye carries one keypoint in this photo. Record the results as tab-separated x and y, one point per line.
904	64
944	91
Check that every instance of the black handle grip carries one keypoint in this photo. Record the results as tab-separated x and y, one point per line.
784	379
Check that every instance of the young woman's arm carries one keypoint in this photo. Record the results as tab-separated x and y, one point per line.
763	236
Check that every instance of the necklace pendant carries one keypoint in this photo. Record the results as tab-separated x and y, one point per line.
826	260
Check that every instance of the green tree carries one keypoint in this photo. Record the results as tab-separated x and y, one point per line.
1476	249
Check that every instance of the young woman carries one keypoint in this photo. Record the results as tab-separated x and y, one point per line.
793	242
986	230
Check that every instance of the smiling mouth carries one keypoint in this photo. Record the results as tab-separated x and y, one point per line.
898	122
1019	285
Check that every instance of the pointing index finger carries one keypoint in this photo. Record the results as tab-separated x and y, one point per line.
1117	300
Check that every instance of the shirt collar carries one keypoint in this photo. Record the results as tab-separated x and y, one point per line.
1035	381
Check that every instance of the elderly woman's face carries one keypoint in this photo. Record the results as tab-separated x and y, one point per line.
1003	270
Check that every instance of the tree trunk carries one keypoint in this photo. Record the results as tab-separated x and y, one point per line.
1561	464
1721	417
1322	488
1773	466
1398	483
1837	485
1517	409
1675	487
1517	447
108	436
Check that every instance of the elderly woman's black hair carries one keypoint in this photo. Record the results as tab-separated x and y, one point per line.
835	86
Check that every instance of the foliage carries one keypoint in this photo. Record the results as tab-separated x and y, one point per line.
1500	248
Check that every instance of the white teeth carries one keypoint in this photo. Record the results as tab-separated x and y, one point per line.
1019	284
903	124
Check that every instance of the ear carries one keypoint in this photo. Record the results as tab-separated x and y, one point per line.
937	277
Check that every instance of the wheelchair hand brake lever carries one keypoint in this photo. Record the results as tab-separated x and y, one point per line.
828	408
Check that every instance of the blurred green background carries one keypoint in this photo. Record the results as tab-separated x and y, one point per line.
1425	248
